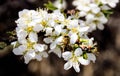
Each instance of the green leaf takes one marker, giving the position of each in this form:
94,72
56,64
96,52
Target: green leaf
50,6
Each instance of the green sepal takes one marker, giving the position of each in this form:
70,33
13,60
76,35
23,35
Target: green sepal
107,13
85,55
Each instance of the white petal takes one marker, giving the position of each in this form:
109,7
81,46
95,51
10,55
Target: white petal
23,12
91,57
84,29
100,26
58,29
67,65
44,54
59,39
83,61
38,57
91,42
112,4
29,56
48,40
57,51
76,67
19,50
90,17
33,37
73,38
39,47
78,52
22,41
16,51
38,28
22,34
53,45
67,55
48,31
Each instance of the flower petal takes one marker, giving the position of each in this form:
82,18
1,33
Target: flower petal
44,54
52,45
19,50
67,55
48,40
73,38
33,37
78,52
100,26
59,39
83,61
39,47
21,33
91,57
84,29
38,28
48,31
38,57
22,41
67,65
57,51
29,56
76,67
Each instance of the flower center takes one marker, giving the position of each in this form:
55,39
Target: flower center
30,45
74,30
30,29
44,23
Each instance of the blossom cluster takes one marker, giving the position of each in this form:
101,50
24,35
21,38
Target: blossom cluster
40,32
95,11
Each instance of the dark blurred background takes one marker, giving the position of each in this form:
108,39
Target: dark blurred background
108,59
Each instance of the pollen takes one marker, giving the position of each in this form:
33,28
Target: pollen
44,23
74,30
30,45
29,29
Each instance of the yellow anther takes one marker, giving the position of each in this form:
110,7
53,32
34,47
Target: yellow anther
29,29
74,30
44,23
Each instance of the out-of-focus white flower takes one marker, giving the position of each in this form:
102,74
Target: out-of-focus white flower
105,7
82,4
97,20
57,16
60,5
111,3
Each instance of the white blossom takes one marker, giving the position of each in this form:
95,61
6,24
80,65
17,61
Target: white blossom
31,50
73,59
111,3
60,5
